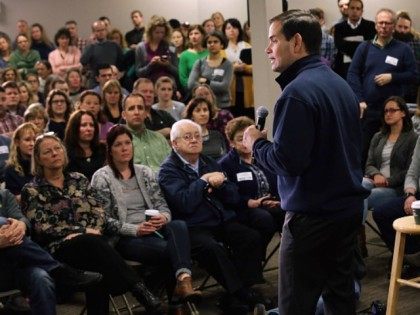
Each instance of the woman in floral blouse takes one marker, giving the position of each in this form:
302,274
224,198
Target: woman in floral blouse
68,220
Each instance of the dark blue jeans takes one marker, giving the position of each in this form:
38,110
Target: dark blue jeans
27,266
174,248
384,215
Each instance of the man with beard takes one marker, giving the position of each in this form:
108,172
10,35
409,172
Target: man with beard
405,33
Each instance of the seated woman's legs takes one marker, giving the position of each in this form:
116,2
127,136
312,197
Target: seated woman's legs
384,215
380,195
92,252
152,250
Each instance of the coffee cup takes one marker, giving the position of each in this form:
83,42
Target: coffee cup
415,206
151,213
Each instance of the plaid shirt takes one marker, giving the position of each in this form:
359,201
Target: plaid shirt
9,123
79,43
327,50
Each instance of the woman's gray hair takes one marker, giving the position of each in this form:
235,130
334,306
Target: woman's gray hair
176,128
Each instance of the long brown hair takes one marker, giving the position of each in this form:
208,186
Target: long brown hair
113,133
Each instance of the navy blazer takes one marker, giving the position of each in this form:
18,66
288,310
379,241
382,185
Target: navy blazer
186,193
232,165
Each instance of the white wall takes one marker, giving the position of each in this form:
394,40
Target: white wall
53,13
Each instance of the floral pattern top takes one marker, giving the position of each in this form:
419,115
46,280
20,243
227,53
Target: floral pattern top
55,213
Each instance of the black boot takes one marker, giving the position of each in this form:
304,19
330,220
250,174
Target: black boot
66,276
146,298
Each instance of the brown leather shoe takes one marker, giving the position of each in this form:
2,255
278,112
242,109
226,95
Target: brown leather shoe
185,291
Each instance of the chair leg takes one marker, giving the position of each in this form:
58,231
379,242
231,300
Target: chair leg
374,229
397,261
114,305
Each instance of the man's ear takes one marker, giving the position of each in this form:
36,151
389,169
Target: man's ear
123,114
298,44
174,144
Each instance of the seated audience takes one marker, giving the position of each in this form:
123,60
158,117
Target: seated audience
43,70
5,50
164,88
389,154
156,120
198,193
37,115
13,98
220,116
68,220
33,83
86,153
215,70
150,147
4,152
208,26
8,122
218,20
18,169
74,80
26,96
38,274
259,205
10,74
112,97
91,101
385,214
129,190
40,41
199,110
24,58
65,56
59,109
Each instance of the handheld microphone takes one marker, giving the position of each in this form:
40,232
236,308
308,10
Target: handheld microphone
262,113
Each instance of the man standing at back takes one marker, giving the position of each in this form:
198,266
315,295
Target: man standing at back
316,155
380,69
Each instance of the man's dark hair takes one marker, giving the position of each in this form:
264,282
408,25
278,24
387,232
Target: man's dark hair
2,89
102,66
71,22
303,23
10,85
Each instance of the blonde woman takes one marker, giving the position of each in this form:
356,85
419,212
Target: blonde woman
18,166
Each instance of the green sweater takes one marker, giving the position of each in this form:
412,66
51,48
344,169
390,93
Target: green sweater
25,62
186,62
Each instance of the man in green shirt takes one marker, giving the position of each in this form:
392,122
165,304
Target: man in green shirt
150,147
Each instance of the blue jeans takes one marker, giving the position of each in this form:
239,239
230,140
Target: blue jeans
153,250
29,264
378,196
384,215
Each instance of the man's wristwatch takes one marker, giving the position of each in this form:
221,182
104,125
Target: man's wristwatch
408,194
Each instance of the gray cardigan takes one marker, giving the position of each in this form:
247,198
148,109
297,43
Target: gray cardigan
400,157
413,173
110,189
218,78
9,208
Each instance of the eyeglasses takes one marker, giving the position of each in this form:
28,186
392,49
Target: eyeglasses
58,101
391,110
190,137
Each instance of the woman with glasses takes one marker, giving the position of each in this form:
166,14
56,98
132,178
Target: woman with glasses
389,154
18,166
199,110
24,58
129,190
86,153
214,70
59,109
68,220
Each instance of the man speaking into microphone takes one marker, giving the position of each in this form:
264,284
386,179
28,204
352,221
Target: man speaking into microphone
316,155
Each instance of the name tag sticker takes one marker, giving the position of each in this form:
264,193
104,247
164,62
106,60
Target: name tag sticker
218,72
4,149
391,60
244,176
